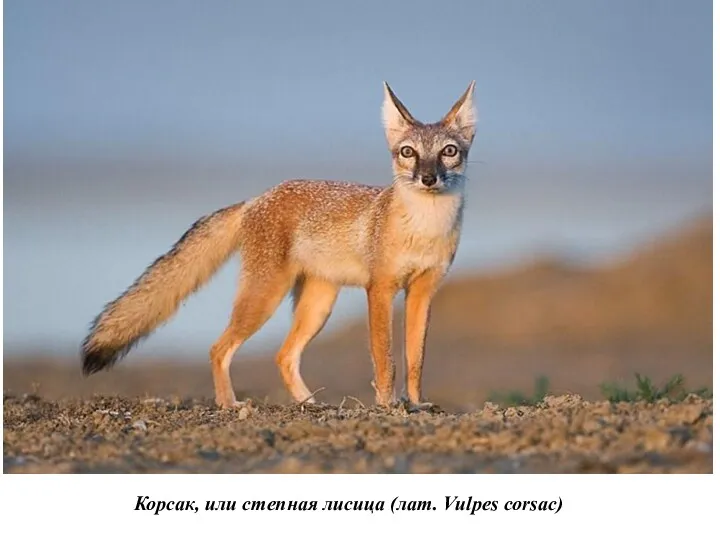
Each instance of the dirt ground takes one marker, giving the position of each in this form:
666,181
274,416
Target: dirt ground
560,435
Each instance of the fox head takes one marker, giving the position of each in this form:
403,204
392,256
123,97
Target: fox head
429,157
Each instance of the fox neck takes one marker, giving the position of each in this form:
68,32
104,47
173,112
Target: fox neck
431,215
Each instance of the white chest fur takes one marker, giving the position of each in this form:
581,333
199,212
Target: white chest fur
427,227
430,216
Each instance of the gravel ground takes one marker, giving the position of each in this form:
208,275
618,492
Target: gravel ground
563,434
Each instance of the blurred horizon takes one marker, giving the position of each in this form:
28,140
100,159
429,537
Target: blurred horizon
124,123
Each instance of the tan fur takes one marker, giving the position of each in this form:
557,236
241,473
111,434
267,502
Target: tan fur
312,238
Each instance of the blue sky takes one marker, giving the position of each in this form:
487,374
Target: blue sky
626,79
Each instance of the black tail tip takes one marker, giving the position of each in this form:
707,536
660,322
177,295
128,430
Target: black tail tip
94,361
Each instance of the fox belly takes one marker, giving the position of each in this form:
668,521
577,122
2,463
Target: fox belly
331,259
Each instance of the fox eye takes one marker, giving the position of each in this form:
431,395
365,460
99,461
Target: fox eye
450,150
407,152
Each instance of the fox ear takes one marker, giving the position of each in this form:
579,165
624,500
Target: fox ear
463,114
396,118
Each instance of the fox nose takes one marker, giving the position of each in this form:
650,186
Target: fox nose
428,180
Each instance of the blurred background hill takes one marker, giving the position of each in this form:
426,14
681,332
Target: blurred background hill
661,294
586,253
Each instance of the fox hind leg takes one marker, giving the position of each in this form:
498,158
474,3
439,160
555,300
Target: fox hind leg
256,301
313,300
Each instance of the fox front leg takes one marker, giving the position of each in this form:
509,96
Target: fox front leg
418,296
380,317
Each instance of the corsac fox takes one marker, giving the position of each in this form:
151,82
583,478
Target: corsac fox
310,238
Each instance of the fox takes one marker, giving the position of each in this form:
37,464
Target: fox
309,239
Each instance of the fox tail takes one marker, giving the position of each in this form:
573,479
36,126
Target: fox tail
156,295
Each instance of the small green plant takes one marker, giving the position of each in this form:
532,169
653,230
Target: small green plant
615,393
703,392
515,398
645,390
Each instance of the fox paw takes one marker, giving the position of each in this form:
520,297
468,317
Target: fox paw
235,404
420,406
424,406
